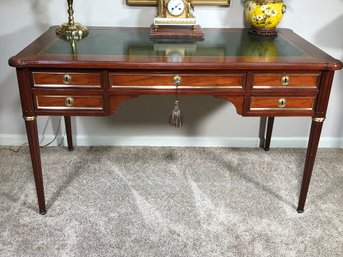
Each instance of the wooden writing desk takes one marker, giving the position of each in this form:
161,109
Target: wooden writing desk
266,77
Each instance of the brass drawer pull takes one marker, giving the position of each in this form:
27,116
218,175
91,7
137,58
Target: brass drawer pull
284,80
67,79
282,102
69,101
177,80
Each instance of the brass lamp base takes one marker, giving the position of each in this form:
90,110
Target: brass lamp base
71,30
68,31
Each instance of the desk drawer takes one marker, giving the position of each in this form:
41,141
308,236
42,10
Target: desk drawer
286,80
66,79
167,81
67,102
281,103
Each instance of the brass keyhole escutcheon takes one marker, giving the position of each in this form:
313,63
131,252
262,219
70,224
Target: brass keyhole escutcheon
285,80
177,80
282,102
69,101
67,79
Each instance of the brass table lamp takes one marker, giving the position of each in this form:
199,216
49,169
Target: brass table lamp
71,30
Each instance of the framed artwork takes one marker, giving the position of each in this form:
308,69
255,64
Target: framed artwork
196,2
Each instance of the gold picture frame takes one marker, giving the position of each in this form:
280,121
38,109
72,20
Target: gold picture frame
196,2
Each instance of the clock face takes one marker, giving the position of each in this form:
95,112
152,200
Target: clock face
176,7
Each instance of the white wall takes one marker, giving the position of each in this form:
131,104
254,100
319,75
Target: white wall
209,121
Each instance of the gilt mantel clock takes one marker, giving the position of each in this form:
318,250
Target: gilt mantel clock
175,19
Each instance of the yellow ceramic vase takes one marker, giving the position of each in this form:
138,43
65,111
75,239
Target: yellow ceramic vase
264,15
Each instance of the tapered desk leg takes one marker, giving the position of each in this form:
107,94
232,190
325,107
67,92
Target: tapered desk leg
32,136
312,147
270,126
266,132
67,121
263,121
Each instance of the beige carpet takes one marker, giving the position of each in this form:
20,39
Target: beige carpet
165,201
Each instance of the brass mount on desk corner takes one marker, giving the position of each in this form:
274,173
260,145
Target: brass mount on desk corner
71,30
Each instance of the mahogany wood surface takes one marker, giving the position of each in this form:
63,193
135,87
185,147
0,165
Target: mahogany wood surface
192,80
312,147
290,102
113,65
270,125
67,121
48,79
296,80
32,136
58,101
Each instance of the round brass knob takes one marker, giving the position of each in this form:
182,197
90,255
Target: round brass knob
67,79
69,101
282,102
285,80
177,80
